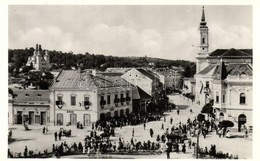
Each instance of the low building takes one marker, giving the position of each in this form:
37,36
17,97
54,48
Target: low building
189,85
78,96
29,105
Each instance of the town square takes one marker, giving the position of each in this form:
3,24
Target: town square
133,85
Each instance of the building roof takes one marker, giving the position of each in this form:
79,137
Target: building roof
225,53
118,70
110,74
222,70
148,74
73,79
239,69
31,95
143,94
209,70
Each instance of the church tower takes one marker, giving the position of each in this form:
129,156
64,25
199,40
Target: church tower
204,44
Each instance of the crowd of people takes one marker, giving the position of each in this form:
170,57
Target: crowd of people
213,154
177,138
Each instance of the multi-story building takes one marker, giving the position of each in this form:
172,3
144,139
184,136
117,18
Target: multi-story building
224,77
38,61
78,96
30,106
169,78
144,79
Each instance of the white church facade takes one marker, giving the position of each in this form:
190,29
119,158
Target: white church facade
225,78
38,61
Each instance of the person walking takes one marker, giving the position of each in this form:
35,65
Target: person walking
151,132
162,127
144,125
60,135
169,149
178,112
55,135
133,132
25,153
43,130
184,148
171,120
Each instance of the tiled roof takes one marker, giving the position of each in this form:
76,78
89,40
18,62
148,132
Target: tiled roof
110,74
72,79
31,95
143,94
209,70
239,69
222,53
230,69
148,74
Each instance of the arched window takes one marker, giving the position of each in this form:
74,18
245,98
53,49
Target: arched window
221,117
242,98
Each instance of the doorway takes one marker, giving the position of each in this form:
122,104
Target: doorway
86,119
102,116
43,118
59,119
73,119
241,121
31,117
19,117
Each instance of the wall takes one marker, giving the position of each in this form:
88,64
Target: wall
134,77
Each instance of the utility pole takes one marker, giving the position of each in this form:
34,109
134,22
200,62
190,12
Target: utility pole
198,138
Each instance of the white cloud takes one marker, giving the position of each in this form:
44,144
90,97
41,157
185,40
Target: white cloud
125,41
230,37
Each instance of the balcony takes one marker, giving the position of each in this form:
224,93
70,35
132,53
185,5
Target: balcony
116,101
102,103
122,100
206,90
128,99
59,104
86,103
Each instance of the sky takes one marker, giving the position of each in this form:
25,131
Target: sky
163,31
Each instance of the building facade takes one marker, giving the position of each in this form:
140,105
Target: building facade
78,96
169,78
144,79
30,106
224,77
38,61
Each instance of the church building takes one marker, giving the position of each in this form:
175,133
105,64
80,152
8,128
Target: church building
224,77
38,61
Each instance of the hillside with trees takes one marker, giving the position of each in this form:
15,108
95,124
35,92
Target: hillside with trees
65,60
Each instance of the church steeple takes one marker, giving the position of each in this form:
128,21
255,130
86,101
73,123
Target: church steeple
203,22
203,45
204,36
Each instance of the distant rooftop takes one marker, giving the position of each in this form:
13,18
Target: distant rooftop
227,53
31,95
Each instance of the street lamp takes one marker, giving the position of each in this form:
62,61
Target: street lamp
197,147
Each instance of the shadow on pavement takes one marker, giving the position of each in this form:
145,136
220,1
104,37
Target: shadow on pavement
10,141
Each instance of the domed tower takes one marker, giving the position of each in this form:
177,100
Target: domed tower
47,57
38,59
47,60
204,44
